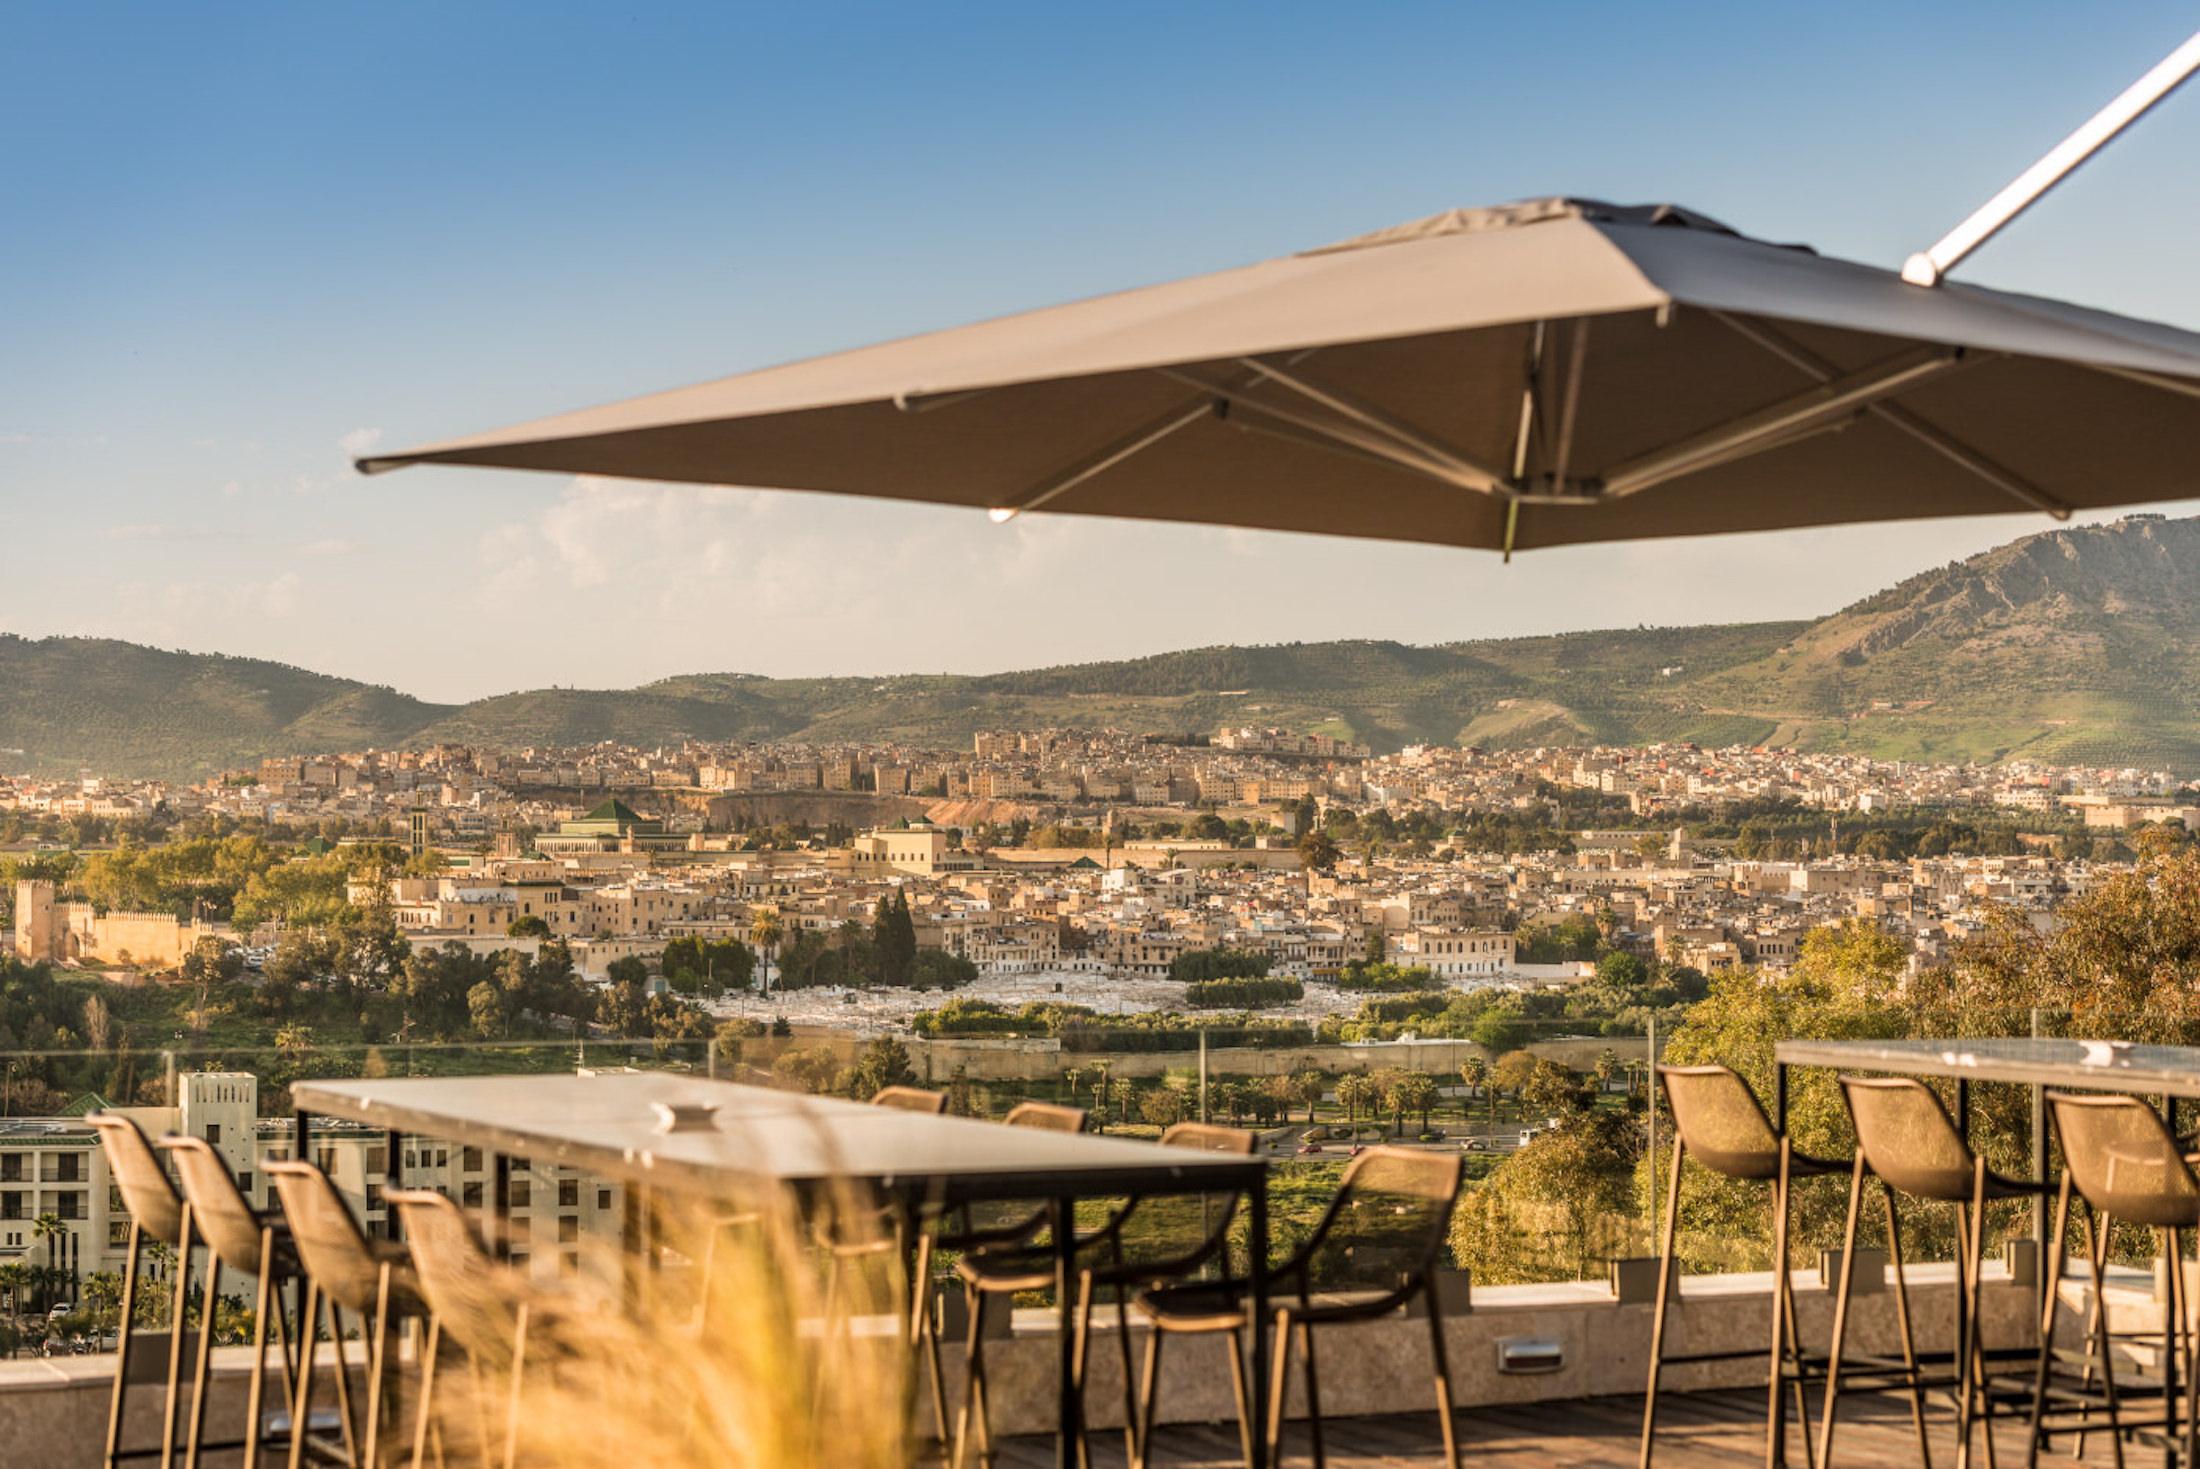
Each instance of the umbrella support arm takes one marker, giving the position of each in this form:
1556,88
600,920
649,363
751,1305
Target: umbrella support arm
1811,365
1806,412
1928,267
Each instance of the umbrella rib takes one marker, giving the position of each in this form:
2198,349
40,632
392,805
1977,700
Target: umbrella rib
1340,436
1755,432
2150,379
1114,452
1490,481
1945,444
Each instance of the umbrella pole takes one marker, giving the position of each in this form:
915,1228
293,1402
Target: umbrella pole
2058,163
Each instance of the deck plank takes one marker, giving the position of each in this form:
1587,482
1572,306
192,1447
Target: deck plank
1695,1431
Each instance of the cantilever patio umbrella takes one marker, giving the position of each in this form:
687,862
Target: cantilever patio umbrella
1538,374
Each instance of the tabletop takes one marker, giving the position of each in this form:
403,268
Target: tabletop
2113,1066
608,1123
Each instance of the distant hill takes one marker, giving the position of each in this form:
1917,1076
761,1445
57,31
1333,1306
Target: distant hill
2075,646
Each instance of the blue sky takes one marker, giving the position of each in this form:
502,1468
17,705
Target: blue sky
240,240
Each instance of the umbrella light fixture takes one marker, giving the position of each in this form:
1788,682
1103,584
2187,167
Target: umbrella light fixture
1544,373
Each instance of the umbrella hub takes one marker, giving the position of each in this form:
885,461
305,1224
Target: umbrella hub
1526,212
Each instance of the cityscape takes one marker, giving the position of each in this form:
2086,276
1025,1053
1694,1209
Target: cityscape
1122,737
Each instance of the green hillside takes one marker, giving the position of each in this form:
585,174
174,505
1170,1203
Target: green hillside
2073,646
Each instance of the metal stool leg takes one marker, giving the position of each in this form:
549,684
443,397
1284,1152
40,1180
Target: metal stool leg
1279,1382
256,1391
1313,1396
431,1347
1440,1360
181,1298
1149,1389
196,1433
1840,1314
1913,1374
1657,1314
1776,1409
301,1397
2052,1274
124,1330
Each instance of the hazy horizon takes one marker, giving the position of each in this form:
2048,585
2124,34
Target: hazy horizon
259,241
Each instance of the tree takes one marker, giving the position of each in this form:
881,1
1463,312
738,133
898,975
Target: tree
1308,1086
1607,1067
765,931
1571,1186
1356,1094
487,1012
623,1007
49,1230
15,1281
1474,1072
882,1063
1499,1031
1414,1091
527,926
1161,1106
1318,849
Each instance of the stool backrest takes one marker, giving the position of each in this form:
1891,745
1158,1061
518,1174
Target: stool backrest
1720,1121
1385,1227
911,1099
1908,1139
331,1247
219,1211
2125,1161
1046,1116
146,1192
464,1286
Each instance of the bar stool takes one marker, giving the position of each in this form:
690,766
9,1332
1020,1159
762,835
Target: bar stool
1722,1126
973,1228
1107,1259
2124,1164
250,1243
485,1307
157,1212
1376,1248
344,1271
858,1230
1905,1138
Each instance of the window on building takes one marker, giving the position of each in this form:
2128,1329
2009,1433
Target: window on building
517,1193
603,1199
11,1167
471,1196
69,1205
470,1160
214,1133
244,1182
69,1168
569,1229
569,1193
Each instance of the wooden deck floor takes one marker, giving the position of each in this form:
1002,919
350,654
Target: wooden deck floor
1695,1431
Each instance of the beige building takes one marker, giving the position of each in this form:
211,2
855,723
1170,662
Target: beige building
919,849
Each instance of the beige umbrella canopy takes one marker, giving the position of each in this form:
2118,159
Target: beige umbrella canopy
1541,374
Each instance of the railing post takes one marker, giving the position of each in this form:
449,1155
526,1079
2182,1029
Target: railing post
168,1077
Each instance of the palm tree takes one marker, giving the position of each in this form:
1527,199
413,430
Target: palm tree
1607,1067
15,1279
765,932
1473,1072
49,1228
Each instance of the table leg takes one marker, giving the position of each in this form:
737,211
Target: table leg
1062,1223
500,1207
1256,1272
392,1178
